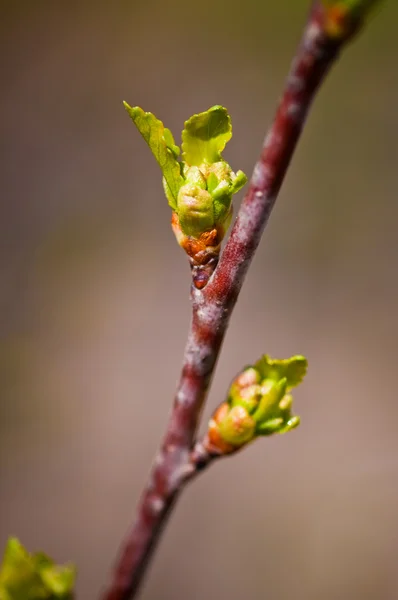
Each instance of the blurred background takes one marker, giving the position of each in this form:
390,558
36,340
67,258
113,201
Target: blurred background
94,298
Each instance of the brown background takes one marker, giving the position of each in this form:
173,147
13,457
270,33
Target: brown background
94,298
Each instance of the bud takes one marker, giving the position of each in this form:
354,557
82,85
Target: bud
258,404
195,210
343,18
199,189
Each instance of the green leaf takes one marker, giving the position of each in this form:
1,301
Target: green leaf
291,424
269,403
205,135
25,576
270,426
238,182
293,369
161,142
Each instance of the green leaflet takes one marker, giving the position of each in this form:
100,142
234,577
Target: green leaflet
238,183
268,407
205,135
25,576
293,369
161,142
277,426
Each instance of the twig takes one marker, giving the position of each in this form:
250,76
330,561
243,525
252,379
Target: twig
176,463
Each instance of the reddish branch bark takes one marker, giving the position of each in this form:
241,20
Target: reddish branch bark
176,463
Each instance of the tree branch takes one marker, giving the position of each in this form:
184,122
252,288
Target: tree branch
176,463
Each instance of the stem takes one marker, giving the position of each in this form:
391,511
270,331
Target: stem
212,306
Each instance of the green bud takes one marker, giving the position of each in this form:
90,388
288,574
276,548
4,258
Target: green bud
248,397
245,390
222,183
194,176
195,209
238,427
258,404
221,170
202,168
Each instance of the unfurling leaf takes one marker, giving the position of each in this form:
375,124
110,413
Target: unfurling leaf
25,576
205,135
161,142
293,369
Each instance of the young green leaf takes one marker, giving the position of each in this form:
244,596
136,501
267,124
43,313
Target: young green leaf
293,369
238,182
161,142
268,407
25,576
205,135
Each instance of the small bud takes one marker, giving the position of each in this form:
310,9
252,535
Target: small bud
194,176
237,427
199,189
195,210
258,404
343,18
214,442
245,390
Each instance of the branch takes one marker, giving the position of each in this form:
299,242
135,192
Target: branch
326,31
